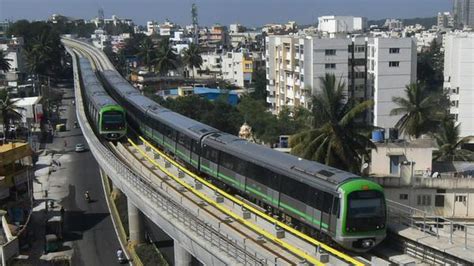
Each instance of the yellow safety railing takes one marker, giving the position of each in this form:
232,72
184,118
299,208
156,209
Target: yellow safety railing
289,229
292,249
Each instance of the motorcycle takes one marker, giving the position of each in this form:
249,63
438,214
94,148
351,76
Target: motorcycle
87,196
121,257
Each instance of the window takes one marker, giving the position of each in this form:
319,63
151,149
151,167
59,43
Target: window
462,199
360,48
394,165
394,50
330,66
330,52
423,200
210,154
302,78
441,191
394,64
403,196
439,201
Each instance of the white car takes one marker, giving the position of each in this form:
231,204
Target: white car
80,147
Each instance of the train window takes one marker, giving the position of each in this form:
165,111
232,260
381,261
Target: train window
181,139
195,147
327,202
210,154
315,198
263,176
169,132
227,161
294,189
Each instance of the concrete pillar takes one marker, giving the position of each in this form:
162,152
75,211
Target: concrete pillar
181,256
135,224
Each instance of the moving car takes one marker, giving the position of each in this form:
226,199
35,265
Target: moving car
80,147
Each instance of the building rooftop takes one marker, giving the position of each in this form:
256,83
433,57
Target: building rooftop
400,143
27,101
11,152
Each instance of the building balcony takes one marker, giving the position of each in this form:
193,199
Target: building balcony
270,88
270,99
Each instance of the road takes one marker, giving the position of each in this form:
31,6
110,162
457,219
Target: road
87,225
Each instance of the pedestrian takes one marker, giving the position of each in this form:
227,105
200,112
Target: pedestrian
62,211
65,143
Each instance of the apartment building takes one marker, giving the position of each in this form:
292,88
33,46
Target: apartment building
463,11
13,49
340,24
459,78
445,20
295,64
236,67
391,65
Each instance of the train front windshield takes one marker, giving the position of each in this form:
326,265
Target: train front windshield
113,120
366,211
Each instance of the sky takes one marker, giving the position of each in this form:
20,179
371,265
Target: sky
246,12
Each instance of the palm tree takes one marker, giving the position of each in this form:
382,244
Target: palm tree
8,110
450,144
4,62
147,52
421,111
338,137
166,58
192,58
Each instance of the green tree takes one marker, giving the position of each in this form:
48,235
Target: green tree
223,116
264,124
421,110
147,53
430,66
192,58
337,137
4,62
260,85
166,58
8,110
450,144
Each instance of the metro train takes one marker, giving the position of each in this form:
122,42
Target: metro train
323,200
106,114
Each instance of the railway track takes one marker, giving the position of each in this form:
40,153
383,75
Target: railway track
278,251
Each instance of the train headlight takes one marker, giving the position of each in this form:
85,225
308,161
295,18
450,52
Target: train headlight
367,243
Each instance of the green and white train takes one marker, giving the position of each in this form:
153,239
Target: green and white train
323,200
106,114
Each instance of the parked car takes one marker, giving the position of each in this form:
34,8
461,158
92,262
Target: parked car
80,147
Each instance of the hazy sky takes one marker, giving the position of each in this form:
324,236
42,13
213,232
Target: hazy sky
247,12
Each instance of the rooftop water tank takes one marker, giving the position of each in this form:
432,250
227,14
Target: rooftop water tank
378,135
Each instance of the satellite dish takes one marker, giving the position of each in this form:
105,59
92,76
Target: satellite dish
365,166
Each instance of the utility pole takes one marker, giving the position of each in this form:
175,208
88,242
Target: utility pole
194,15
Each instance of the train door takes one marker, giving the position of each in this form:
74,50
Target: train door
326,210
334,215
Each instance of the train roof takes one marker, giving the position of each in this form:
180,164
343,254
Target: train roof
309,172
93,89
182,123
119,83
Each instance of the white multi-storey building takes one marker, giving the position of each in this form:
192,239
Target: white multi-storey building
391,67
14,52
234,67
341,24
459,78
295,64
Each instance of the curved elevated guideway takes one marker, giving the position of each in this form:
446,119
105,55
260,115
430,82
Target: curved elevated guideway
212,225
